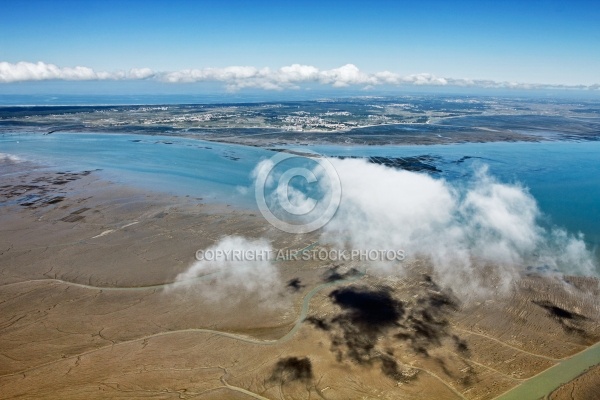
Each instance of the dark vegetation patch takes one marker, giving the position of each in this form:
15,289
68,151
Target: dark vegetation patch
292,369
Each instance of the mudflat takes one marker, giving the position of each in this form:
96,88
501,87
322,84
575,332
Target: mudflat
88,309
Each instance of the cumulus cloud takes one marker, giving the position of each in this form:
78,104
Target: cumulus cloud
478,236
298,73
459,229
240,77
232,267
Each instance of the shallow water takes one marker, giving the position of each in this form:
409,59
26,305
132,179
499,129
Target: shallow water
180,166
564,177
547,381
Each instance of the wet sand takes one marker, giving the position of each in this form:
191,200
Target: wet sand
586,386
86,309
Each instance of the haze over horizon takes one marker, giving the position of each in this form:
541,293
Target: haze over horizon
231,46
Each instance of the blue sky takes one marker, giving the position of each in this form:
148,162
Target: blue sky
550,42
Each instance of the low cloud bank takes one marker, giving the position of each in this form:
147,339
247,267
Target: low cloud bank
40,71
240,77
459,228
477,235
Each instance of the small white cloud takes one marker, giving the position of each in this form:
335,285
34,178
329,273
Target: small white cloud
298,73
234,266
140,73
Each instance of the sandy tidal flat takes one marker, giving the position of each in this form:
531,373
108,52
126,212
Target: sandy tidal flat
87,310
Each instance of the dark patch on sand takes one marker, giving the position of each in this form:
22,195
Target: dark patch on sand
292,369
369,314
334,274
295,284
72,218
319,323
391,369
570,321
426,323
40,191
370,309
461,346
55,200
366,314
558,312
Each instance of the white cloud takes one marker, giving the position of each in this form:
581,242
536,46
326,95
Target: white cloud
346,75
140,73
459,228
298,73
239,77
478,236
41,71
234,266
25,71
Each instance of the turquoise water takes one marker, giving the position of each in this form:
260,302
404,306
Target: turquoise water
180,166
539,386
564,177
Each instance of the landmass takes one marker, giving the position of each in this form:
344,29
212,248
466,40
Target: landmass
364,120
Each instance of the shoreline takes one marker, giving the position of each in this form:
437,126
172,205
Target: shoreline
310,138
